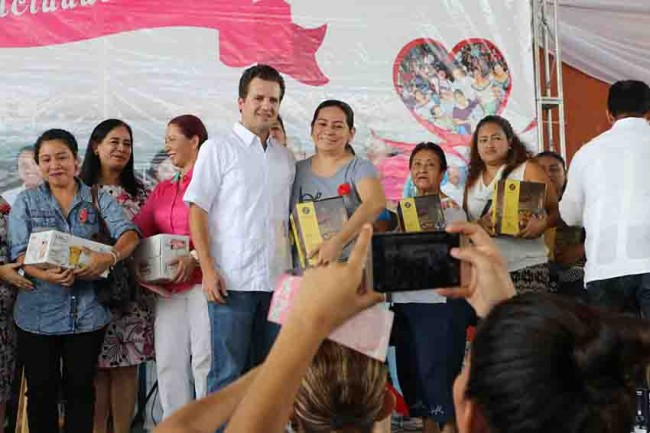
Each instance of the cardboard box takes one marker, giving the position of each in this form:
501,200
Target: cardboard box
514,203
52,248
154,254
314,222
421,214
368,332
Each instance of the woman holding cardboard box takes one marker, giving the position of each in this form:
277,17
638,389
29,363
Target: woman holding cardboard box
335,171
498,154
60,321
108,163
182,326
429,330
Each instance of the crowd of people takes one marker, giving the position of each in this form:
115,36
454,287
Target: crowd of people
453,94
221,365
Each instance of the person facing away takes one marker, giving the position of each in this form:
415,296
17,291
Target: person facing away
239,207
607,193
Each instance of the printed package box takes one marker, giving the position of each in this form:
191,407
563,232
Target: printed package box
421,214
154,255
52,248
314,222
514,203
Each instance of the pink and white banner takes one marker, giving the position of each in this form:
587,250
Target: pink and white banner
412,70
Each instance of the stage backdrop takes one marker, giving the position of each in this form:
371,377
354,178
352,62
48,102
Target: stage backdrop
412,70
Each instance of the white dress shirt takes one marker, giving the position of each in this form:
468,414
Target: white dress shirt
608,193
245,191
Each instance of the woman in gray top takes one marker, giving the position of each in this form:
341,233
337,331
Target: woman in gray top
334,170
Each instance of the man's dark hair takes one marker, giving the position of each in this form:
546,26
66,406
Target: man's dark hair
628,98
263,72
553,155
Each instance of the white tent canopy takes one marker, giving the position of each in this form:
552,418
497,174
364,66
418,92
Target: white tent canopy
606,39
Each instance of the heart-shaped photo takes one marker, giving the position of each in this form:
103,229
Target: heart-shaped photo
449,92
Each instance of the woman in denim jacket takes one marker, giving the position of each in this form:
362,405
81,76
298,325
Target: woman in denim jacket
60,323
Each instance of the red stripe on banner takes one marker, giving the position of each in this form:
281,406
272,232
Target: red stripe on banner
249,32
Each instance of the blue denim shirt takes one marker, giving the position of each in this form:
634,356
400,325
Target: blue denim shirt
51,308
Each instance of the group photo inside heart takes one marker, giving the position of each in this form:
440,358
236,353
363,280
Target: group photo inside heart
450,91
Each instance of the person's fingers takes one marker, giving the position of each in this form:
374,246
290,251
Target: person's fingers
472,255
370,298
313,253
14,265
209,295
21,283
474,232
359,254
218,297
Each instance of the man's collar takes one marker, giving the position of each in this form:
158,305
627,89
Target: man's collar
249,138
630,121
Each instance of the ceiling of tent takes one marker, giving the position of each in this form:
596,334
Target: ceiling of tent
607,39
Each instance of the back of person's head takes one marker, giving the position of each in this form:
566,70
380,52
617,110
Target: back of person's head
343,390
541,363
263,72
629,98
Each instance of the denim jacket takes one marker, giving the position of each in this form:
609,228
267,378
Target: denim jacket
51,308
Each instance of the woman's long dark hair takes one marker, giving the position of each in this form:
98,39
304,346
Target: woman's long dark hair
517,153
91,167
544,363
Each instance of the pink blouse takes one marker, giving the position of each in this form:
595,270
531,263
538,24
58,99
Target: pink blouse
165,212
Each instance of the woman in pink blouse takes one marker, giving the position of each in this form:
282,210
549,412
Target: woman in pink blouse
182,327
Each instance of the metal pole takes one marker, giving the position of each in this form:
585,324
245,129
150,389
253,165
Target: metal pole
558,72
548,74
536,59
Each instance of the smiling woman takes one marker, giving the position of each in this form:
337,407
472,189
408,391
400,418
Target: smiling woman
60,321
129,338
333,166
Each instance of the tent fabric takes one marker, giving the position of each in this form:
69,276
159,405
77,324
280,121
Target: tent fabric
606,39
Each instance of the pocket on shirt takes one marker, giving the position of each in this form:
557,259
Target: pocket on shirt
43,220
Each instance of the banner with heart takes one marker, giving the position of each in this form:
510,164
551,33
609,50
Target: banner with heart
447,92
412,71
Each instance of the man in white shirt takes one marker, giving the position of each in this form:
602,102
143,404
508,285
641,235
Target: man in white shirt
608,193
239,207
